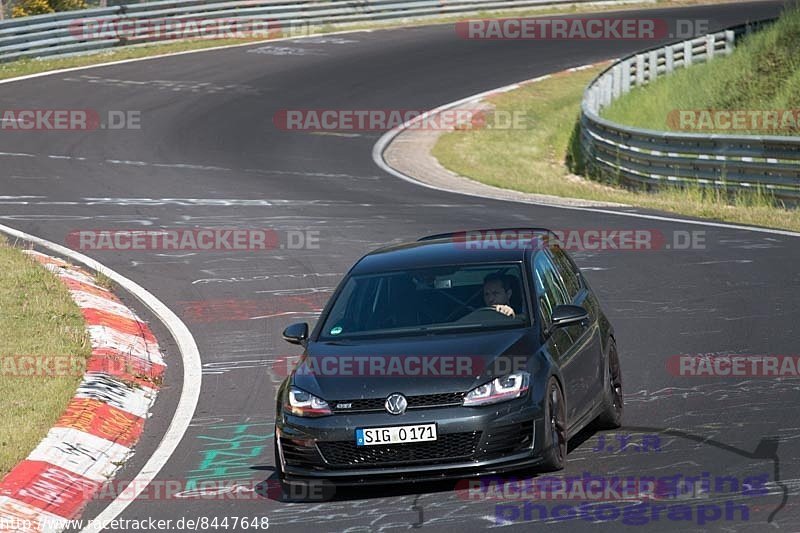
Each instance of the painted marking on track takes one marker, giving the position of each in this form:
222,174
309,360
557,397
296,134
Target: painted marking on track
335,134
222,367
229,453
68,157
286,51
309,314
265,277
326,40
168,85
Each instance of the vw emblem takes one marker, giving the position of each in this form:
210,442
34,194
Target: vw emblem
396,404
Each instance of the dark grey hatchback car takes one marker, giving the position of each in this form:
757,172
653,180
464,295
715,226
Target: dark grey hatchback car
448,357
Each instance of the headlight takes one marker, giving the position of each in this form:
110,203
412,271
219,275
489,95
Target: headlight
499,390
302,403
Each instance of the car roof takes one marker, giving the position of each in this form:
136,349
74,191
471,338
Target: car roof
500,245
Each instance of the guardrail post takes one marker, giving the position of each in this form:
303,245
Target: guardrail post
626,76
730,40
606,99
687,53
616,85
653,66
669,59
639,69
711,41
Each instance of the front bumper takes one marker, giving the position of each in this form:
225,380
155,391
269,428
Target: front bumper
471,441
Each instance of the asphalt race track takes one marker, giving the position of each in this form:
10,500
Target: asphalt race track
208,154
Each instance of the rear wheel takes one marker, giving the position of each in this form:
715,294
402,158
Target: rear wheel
611,417
555,428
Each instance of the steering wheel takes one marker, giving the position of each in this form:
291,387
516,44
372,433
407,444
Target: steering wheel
487,309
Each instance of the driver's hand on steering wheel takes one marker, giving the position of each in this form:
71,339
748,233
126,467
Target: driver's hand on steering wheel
504,310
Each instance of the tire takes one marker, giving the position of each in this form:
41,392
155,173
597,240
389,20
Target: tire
613,402
555,429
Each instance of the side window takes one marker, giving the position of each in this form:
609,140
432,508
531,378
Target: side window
568,272
549,290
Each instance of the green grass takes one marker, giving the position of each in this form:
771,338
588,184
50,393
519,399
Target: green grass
533,159
102,280
763,73
38,318
25,67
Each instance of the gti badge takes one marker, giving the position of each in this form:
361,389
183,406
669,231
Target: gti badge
396,404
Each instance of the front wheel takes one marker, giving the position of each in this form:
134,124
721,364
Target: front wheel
555,430
611,417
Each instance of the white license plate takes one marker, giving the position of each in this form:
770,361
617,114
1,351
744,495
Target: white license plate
395,435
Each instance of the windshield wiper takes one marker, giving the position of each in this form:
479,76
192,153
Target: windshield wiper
452,326
421,330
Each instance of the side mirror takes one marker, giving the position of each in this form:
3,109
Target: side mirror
566,315
296,333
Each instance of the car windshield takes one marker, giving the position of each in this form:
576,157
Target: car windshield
427,301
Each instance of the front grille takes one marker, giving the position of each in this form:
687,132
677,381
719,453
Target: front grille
447,399
508,439
296,454
451,447
436,400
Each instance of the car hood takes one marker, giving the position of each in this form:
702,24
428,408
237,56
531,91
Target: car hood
411,366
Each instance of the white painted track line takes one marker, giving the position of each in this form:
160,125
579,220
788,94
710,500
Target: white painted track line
383,143
192,374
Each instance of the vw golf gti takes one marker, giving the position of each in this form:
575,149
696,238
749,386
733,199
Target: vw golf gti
445,358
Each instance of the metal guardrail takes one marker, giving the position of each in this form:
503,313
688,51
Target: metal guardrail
651,158
60,33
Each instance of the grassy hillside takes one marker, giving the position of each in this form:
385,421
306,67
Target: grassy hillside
763,73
